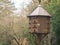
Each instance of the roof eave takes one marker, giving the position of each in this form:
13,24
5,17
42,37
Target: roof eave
39,15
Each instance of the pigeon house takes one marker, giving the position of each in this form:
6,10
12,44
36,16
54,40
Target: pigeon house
39,21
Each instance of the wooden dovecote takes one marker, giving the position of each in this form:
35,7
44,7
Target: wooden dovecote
39,21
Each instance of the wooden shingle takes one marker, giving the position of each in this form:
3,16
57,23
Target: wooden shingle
39,11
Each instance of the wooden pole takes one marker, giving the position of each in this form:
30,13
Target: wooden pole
38,39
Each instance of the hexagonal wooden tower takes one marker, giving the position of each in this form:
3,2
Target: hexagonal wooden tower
39,21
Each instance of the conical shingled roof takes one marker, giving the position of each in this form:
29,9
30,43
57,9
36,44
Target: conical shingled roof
39,11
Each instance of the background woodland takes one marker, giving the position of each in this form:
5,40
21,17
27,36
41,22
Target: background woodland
14,29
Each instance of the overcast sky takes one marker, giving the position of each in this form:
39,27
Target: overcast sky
20,4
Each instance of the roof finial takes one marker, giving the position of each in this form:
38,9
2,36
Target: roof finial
39,1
